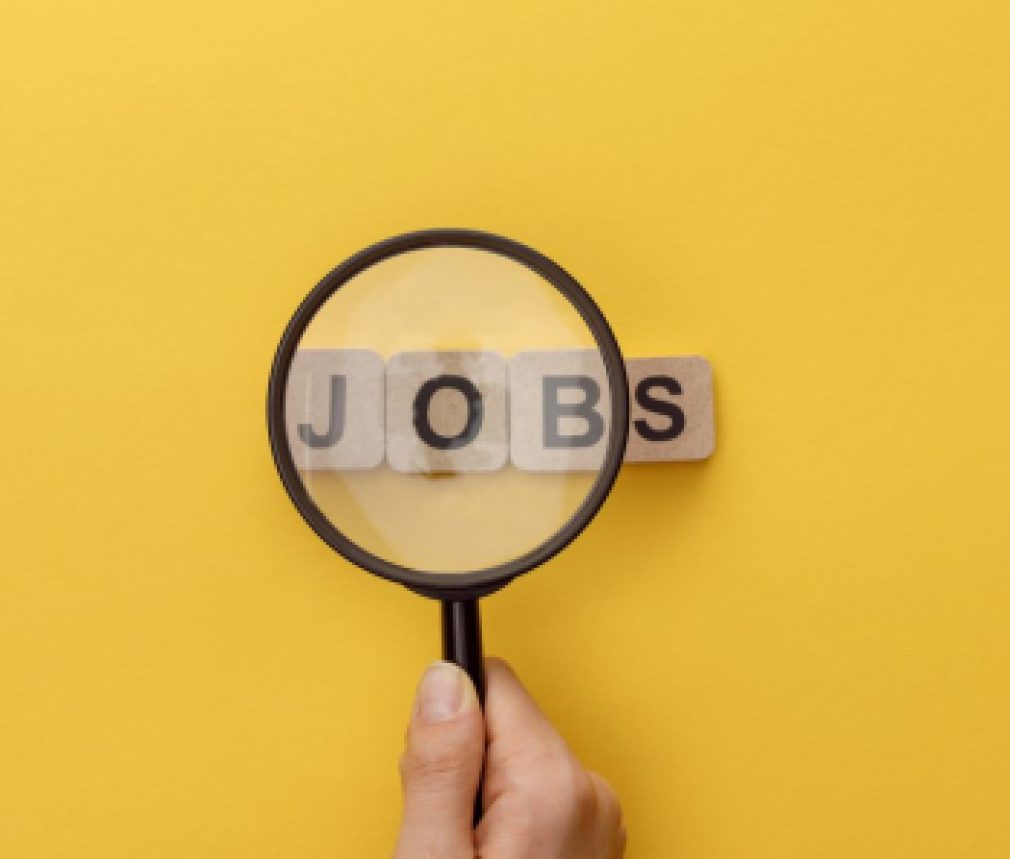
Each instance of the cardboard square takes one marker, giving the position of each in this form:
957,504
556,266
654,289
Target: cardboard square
447,411
560,410
334,409
672,413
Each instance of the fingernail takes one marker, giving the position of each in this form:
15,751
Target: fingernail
440,695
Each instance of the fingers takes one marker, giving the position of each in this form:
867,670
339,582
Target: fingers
539,800
441,766
609,817
514,721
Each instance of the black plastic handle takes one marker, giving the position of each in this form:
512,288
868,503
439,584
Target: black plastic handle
461,645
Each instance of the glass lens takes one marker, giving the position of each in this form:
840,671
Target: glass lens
448,409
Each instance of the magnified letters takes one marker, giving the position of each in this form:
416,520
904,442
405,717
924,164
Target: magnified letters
474,411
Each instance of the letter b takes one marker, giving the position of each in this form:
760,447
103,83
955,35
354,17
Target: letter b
560,410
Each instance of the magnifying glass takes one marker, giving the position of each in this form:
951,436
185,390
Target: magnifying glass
448,409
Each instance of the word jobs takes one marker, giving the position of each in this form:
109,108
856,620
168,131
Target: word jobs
457,411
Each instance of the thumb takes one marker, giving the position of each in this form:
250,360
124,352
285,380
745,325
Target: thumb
440,767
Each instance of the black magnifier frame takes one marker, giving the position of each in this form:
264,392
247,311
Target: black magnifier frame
456,586
458,592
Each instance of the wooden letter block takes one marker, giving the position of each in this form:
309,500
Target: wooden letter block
334,409
560,410
671,409
447,412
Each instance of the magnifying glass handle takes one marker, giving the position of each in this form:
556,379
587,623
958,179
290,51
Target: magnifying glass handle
461,645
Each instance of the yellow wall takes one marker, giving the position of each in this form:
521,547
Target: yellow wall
797,649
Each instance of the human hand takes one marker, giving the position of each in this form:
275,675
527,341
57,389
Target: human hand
539,801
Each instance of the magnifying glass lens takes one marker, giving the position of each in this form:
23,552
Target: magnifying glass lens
447,410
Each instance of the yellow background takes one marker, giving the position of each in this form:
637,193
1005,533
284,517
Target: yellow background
797,649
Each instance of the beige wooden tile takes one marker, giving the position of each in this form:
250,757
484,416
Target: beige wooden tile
560,410
671,409
447,411
334,409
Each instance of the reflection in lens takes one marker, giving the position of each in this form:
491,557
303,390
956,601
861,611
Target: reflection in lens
448,409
